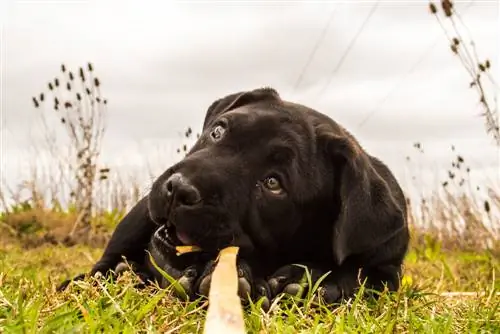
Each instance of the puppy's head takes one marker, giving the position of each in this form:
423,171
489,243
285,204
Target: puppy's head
270,175
244,178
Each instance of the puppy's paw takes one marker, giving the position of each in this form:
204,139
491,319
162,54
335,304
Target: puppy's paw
63,285
188,280
110,272
292,280
104,271
122,267
330,293
244,280
289,279
262,294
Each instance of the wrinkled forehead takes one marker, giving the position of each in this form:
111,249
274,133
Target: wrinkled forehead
252,113
265,130
268,122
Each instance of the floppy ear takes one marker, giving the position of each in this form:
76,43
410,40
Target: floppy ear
236,100
371,212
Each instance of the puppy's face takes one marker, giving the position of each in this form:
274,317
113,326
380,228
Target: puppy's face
243,182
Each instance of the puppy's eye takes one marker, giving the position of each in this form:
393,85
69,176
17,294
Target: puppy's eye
217,132
273,185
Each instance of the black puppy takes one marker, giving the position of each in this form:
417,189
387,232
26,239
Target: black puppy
286,184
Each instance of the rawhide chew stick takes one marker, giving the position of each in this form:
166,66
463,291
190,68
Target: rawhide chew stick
187,249
225,313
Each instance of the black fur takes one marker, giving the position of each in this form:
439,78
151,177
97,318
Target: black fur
339,210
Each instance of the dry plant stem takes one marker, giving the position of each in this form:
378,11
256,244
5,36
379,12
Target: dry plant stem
471,63
79,105
459,294
225,313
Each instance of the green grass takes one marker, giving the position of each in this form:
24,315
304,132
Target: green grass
29,303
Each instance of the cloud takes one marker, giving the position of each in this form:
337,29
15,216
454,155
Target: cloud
161,65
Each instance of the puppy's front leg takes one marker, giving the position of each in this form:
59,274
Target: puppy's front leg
130,240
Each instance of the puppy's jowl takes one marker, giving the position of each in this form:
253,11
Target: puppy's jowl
286,184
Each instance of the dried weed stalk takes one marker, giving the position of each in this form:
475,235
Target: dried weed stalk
478,70
77,102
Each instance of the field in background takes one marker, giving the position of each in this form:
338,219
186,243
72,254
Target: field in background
458,214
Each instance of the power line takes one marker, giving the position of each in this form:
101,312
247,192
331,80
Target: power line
398,85
374,110
349,47
319,41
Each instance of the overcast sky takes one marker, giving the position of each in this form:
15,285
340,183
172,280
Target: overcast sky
162,63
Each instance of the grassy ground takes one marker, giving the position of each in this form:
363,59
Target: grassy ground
29,303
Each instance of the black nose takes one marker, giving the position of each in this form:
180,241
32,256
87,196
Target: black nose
181,190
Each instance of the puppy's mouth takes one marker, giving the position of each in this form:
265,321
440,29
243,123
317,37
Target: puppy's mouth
198,226
168,235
